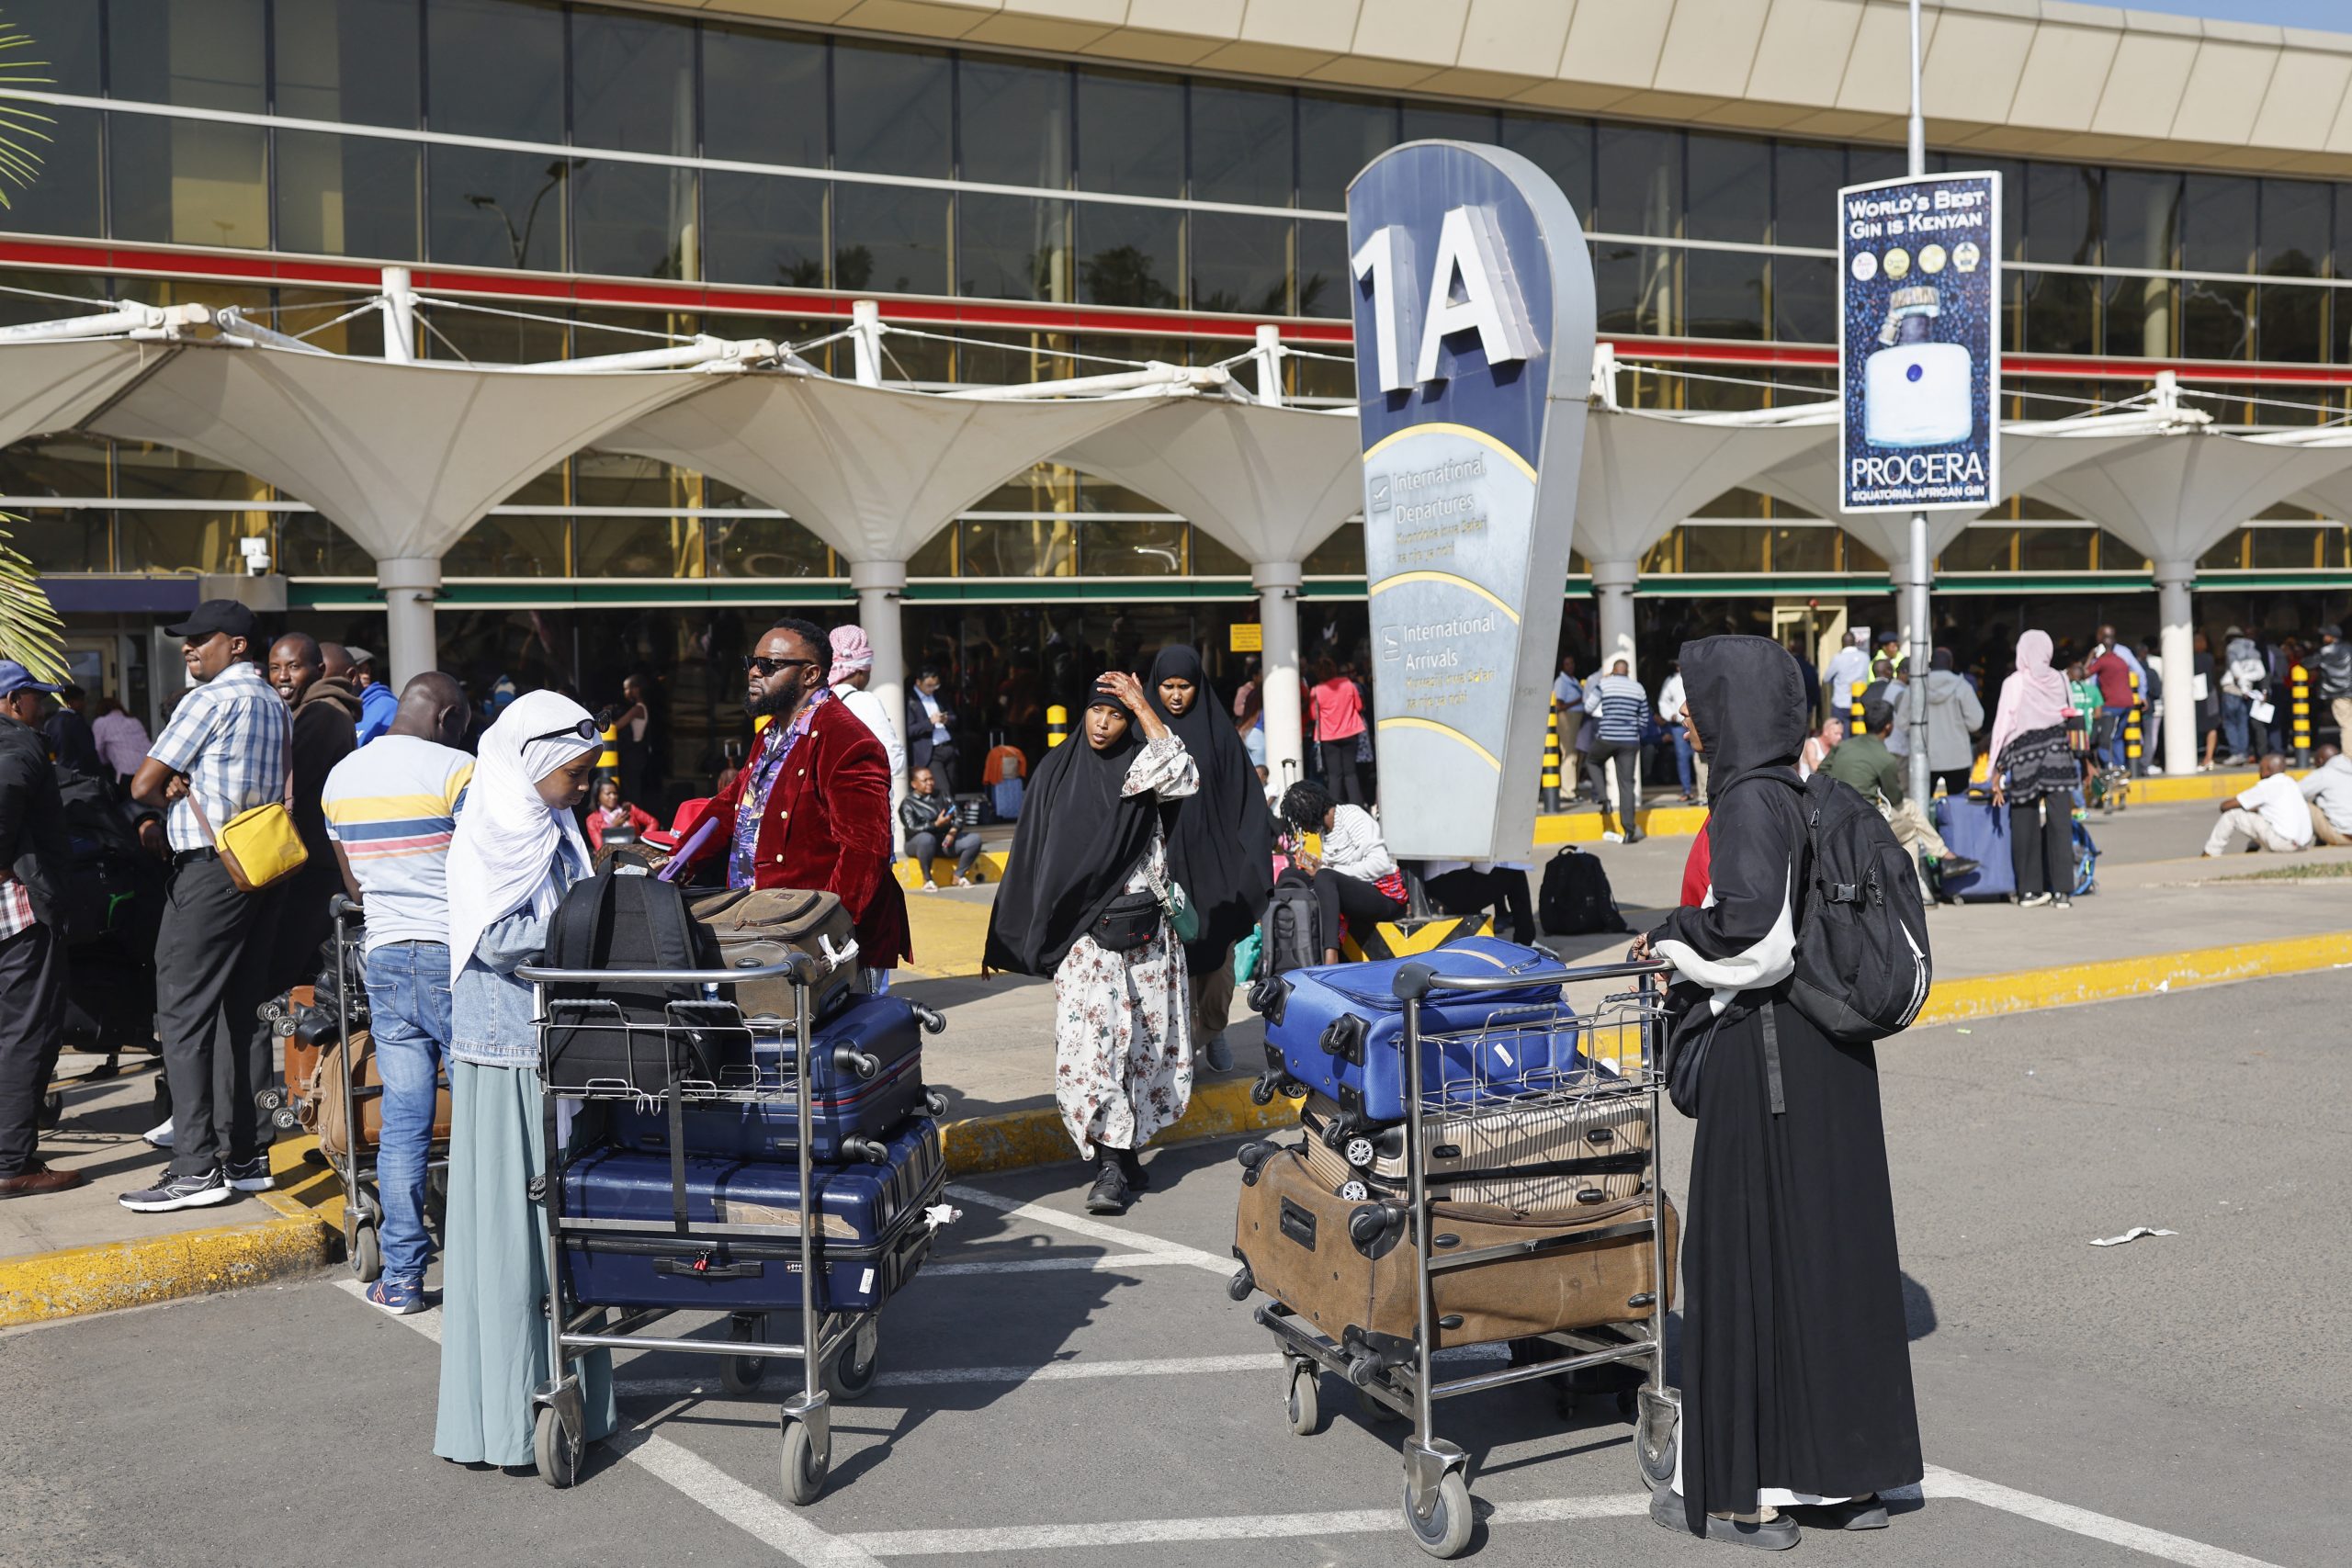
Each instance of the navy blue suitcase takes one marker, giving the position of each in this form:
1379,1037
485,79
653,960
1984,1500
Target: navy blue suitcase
1974,828
744,1253
850,1117
1339,1028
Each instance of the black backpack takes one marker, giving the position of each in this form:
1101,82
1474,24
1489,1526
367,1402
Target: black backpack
1576,899
634,1035
1292,931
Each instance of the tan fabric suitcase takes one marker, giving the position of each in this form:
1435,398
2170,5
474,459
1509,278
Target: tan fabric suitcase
757,926
1348,1267
322,1112
1537,1160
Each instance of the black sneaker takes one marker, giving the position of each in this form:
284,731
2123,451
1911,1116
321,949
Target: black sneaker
251,1175
1109,1194
198,1191
1957,865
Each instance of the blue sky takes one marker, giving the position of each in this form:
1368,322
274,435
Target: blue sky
2336,16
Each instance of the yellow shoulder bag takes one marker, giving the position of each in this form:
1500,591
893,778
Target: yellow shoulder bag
259,848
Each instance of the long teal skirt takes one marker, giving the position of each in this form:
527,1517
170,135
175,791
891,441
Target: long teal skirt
494,1275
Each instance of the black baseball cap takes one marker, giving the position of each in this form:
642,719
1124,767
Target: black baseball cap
216,615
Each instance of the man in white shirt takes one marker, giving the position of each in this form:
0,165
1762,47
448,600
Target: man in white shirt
2327,790
1848,665
1567,697
2273,814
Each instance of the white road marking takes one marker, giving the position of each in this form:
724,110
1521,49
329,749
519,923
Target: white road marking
1942,1483
1051,1371
1110,1262
1038,1213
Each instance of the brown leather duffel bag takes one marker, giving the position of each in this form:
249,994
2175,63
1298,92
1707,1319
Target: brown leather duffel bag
324,1106
757,926
1349,1266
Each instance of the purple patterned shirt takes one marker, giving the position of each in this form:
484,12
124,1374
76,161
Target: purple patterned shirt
752,803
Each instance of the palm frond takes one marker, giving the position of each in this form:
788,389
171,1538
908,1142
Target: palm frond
20,165
31,632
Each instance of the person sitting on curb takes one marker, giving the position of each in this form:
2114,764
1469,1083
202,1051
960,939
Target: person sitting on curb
1354,877
2272,814
1863,760
2327,790
929,818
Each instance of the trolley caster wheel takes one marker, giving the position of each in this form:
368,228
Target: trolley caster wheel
1241,1284
856,1364
1447,1530
739,1375
805,1466
367,1254
1372,1409
1656,1434
557,1450
1305,1404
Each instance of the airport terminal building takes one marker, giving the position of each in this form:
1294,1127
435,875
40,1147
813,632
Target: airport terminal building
1030,191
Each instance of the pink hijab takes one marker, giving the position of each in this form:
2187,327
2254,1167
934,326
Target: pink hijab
852,653
2035,697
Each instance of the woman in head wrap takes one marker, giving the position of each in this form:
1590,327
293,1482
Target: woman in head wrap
1081,903
1221,847
1796,1366
517,847
852,668
2035,772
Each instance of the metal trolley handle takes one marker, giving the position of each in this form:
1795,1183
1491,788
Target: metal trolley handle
799,968
1414,982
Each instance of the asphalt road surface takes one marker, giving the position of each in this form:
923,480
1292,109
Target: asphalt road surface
1057,1388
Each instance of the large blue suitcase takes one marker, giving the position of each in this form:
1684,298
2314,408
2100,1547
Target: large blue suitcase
1974,827
1339,1030
850,1116
742,1249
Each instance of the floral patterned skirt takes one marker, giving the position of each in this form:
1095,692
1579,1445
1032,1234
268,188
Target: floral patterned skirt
1123,1049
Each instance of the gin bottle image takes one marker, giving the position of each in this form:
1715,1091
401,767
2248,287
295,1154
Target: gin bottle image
1914,390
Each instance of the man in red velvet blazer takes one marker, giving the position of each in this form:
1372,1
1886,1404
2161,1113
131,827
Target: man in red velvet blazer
810,807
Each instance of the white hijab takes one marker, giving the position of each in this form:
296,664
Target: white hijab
502,858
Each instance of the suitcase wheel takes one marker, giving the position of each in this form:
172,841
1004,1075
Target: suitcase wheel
1355,1191
1359,1152
739,1375
1241,1284
1262,1092
933,1021
1255,1153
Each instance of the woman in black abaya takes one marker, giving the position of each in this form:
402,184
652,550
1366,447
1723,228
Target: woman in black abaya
1221,848
1796,1368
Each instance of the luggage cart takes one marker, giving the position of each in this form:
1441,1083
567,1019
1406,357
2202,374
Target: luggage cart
839,1351
1620,1039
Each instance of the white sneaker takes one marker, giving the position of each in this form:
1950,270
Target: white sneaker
161,1135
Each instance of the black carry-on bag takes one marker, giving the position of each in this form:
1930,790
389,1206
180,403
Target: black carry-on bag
640,1035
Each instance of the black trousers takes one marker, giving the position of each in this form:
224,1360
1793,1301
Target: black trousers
1471,892
1340,775
1596,769
925,848
1364,905
213,967
32,1025
2042,844
1954,779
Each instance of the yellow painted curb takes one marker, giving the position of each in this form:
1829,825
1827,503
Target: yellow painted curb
2024,990
81,1280
1584,827
1019,1139
989,867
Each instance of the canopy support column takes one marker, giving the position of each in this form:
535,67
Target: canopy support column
410,584
1612,585
2174,618
1277,583
881,586
1919,636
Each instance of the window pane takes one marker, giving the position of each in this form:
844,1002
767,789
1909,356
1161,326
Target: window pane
1341,555
1043,548
632,83
2284,549
1562,148
310,545
202,54
648,548
1012,247
2058,314
2218,224
1127,255
2289,323
890,239
2216,320
1805,299
1805,177
2143,218
494,68
1213,560
1804,550
1978,549
349,59
347,196
1866,164
2062,214
764,547
890,111
764,229
1133,550
510,546
632,220
1633,288
1433,122
496,209
2054,549
1724,294
1337,137
1241,144
2294,227
64,539
763,98
1322,268
1015,128
186,541
1241,265
1731,189
1637,175
1724,546
2139,316
63,197
192,182
67,33
1130,134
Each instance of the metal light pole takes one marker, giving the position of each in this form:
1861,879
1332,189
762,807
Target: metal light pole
1922,634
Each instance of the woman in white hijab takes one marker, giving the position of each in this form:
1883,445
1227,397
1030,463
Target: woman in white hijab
517,848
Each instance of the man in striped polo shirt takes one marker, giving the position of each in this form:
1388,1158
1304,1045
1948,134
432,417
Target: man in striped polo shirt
1618,708
391,808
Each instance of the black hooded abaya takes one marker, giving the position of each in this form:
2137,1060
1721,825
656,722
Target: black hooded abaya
1796,1366
1221,845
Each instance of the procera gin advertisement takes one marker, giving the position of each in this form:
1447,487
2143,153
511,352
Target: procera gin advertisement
1919,344
1473,333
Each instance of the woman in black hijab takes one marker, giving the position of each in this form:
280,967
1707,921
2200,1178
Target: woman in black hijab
1080,903
1221,847
1796,1366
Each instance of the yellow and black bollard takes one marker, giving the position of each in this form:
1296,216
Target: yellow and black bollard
608,761
2131,750
1056,726
2301,685
1854,711
1552,763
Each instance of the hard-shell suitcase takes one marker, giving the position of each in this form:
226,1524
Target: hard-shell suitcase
744,1255
1551,1159
1339,1030
1348,1267
755,927
1976,829
865,1077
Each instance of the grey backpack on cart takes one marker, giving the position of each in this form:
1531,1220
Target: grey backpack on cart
632,1035
754,927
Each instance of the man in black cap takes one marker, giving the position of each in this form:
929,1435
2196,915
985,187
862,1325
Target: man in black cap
32,937
225,752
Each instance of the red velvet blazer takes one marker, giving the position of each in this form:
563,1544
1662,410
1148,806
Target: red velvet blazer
827,827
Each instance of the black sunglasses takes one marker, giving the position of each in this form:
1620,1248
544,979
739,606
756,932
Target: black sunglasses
754,664
586,729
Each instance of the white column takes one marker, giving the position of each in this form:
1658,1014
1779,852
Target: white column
866,344
881,586
1612,585
2174,638
1919,636
410,585
1277,583
400,317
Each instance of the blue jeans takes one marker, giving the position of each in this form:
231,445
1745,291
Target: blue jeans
408,1002
2117,745
1682,759
2235,721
